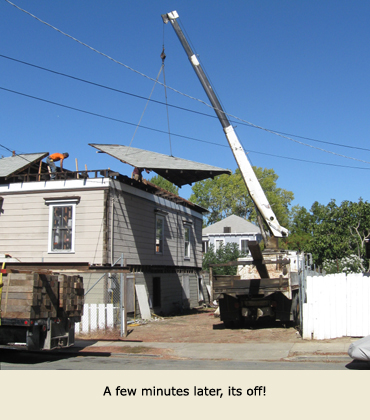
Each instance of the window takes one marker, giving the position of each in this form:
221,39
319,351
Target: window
187,241
61,225
244,246
159,234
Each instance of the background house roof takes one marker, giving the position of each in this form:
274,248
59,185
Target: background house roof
236,223
178,171
10,166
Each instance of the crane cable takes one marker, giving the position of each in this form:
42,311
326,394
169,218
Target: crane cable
163,57
147,102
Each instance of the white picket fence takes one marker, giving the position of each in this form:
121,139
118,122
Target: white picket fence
338,305
96,316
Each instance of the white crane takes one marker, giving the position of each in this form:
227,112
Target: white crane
254,187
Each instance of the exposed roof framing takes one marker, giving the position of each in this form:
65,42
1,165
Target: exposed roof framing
178,171
160,192
13,165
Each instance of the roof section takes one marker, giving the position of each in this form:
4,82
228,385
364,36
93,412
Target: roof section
236,223
10,166
178,171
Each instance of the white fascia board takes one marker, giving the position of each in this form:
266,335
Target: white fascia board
160,201
59,185
92,183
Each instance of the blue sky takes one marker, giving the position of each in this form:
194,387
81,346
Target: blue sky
295,67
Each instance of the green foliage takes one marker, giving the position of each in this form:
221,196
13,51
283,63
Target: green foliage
331,232
164,184
227,253
227,194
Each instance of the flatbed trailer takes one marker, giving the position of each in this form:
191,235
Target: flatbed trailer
38,310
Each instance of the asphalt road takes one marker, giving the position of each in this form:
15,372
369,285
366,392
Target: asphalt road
23,360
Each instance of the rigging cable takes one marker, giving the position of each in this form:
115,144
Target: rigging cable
147,102
163,57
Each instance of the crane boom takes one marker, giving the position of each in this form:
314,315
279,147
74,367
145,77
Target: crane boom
254,187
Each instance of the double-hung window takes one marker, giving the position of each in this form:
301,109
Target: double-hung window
244,246
187,241
62,215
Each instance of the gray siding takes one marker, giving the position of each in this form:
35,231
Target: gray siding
24,226
134,222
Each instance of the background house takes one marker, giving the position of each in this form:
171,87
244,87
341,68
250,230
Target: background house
231,229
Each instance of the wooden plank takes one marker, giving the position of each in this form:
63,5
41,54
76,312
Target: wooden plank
143,301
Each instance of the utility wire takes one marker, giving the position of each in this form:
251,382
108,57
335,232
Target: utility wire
181,93
174,134
109,88
16,154
171,105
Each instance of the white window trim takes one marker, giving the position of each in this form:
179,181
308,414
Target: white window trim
159,217
219,240
60,203
206,242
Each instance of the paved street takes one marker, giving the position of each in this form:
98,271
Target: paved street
22,360
196,341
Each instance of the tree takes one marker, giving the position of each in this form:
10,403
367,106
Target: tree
164,184
300,229
331,232
225,253
227,194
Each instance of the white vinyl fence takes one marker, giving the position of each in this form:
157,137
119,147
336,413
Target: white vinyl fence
337,305
97,316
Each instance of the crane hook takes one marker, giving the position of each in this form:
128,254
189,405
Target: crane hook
163,56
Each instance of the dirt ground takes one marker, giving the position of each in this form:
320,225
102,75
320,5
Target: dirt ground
198,326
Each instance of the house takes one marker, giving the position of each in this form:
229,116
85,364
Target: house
97,217
231,229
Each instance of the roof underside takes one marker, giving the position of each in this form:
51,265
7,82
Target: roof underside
10,166
178,171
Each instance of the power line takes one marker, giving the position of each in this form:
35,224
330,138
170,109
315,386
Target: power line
171,105
309,161
100,115
107,87
183,94
165,132
15,154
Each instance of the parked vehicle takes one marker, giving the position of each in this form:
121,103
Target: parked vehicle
271,288
39,311
360,349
